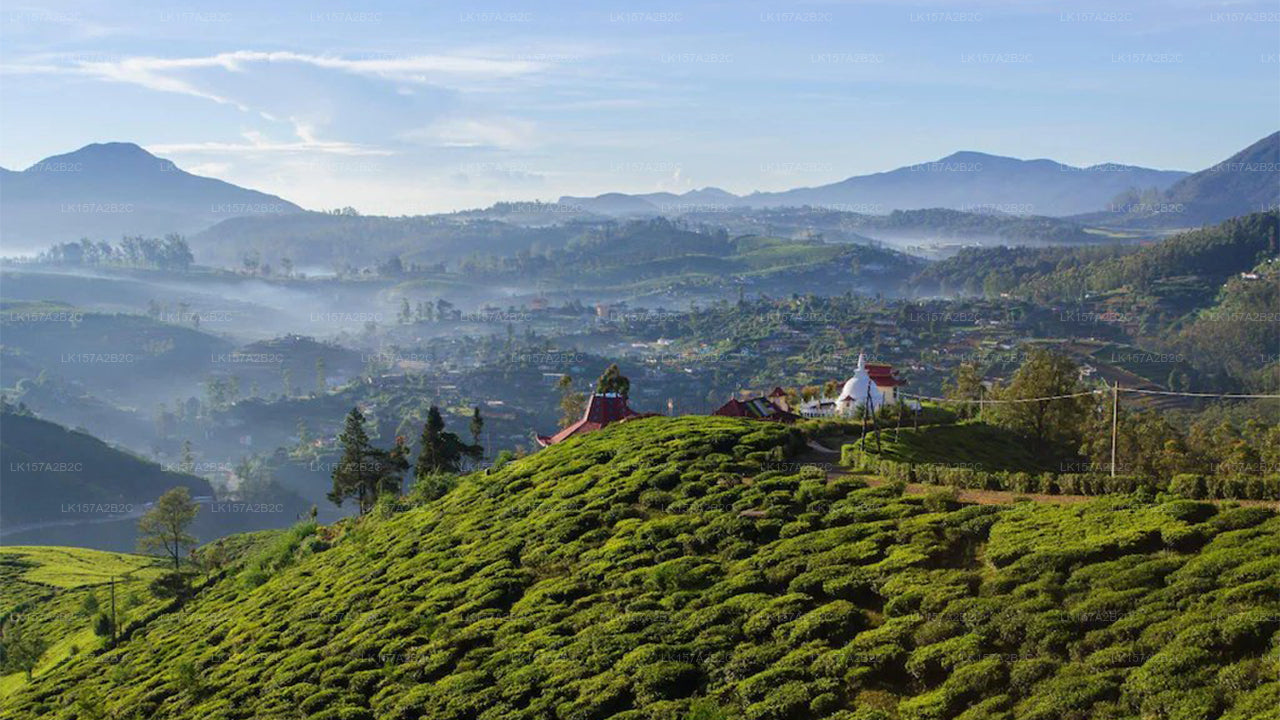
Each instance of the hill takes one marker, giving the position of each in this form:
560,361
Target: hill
323,240
1204,258
972,181
52,473
105,190
656,569
118,351
660,253
1247,182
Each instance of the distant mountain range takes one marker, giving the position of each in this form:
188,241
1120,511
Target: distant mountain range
969,181
104,191
107,190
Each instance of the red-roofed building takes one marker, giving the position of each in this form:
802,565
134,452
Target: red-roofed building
885,378
756,408
602,409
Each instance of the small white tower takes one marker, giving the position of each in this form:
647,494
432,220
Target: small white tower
858,390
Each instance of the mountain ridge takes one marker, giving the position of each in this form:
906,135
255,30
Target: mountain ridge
107,190
953,182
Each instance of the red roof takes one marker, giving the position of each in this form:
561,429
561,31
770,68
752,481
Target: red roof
757,408
777,392
883,375
601,410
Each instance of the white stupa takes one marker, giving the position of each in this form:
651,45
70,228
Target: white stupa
859,390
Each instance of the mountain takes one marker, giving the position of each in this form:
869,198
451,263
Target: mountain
1247,182
972,181
106,190
684,568
52,473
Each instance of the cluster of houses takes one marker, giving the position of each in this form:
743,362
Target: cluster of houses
871,386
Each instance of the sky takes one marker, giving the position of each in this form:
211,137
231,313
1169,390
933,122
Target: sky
416,107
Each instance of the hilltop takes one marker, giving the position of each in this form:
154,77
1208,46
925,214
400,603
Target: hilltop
105,190
686,568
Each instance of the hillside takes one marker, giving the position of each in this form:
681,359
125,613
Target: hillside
118,350
1247,182
659,252
1203,258
656,570
105,190
53,473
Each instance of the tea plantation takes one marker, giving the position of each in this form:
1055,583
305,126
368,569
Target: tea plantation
652,570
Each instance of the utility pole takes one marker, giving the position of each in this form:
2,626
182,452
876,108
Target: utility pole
1115,411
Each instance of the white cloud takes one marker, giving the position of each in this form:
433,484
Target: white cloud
506,133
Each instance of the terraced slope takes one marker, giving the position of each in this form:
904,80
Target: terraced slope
653,570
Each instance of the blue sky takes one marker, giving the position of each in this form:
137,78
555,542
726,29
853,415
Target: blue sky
404,108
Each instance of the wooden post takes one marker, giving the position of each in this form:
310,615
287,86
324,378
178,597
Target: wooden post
898,430
113,611
1115,411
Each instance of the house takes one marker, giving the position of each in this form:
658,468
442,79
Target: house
758,408
602,409
872,384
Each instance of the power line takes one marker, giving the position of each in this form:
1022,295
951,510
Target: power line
1195,394
1007,400
988,401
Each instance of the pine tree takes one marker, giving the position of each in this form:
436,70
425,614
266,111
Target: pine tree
352,476
431,445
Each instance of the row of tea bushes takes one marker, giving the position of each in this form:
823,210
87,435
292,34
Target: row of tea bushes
1198,487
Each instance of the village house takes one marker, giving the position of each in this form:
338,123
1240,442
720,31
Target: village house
772,407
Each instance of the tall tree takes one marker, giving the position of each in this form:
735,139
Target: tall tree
164,526
351,475
364,472
1044,374
572,402
613,381
441,451
965,388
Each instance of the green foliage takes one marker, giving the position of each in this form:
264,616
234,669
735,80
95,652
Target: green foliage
164,526
365,472
655,569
